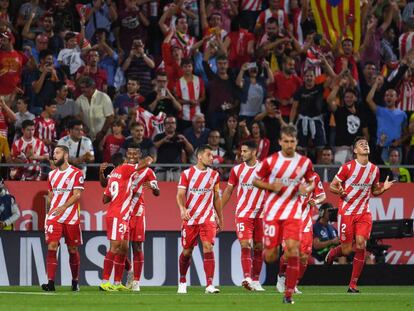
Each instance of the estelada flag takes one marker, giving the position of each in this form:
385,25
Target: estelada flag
334,17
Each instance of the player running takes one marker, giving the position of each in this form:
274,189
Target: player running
316,197
354,183
65,184
119,194
281,175
249,214
145,178
200,206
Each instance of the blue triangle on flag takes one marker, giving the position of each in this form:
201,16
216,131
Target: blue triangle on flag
334,2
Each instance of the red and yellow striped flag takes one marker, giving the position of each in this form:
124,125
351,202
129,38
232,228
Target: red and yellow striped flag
333,16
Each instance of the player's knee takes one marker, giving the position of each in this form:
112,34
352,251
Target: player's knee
245,244
137,247
270,256
207,247
304,259
72,249
346,249
257,246
53,246
187,252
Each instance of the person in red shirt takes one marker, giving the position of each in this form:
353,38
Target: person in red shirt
287,82
347,60
11,65
172,57
92,70
112,143
45,126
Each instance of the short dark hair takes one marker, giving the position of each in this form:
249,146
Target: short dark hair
50,103
117,159
45,53
118,122
133,78
201,149
327,148
251,144
134,146
289,130
136,124
88,81
74,123
272,20
221,56
357,139
27,123
369,62
64,148
351,90
69,36
186,61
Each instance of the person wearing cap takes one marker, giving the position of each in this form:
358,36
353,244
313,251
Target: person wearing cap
325,235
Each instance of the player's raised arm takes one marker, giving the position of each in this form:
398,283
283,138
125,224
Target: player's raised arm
377,190
218,207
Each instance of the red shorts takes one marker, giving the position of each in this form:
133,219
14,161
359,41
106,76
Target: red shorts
306,243
117,229
277,230
55,230
350,226
137,229
249,228
206,231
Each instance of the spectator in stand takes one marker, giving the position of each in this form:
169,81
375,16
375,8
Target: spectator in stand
46,78
406,40
221,90
65,15
287,82
26,9
145,144
397,173
253,90
70,56
113,142
161,99
22,114
7,116
172,57
273,122
327,174
258,135
346,59
249,12
55,41
92,70
214,142
41,44
239,45
139,64
11,65
171,148
66,108
125,102
80,147
190,93
197,135
392,122
28,149
275,11
4,150
132,23
96,109
211,25
349,123
45,125
387,50
100,14
226,9
4,11
232,135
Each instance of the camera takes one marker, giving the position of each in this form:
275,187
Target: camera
252,65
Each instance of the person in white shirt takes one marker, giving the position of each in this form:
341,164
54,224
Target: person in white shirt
22,114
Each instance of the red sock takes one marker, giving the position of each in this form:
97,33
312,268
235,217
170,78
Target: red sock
357,266
292,271
138,263
334,253
51,263
209,267
282,265
302,269
246,262
128,265
257,264
108,265
184,263
74,262
119,264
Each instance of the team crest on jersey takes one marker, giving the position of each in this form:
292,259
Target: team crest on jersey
67,181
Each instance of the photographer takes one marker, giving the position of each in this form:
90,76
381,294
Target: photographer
325,235
9,210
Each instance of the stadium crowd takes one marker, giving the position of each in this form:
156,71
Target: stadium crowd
170,76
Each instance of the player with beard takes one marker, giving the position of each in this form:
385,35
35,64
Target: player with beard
200,207
118,194
355,181
249,214
65,185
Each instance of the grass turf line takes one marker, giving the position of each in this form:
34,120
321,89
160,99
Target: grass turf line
231,298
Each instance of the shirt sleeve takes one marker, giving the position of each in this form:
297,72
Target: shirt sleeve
233,180
89,147
319,190
264,170
342,174
108,109
309,174
183,183
79,181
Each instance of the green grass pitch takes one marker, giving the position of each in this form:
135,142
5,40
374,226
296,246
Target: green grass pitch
330,298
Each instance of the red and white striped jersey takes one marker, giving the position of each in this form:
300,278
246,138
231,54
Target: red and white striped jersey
200,186
190,90
357,180
45,129
287,203
184,41
251,5
406,91
22,149
279,15
250,199
307,208
138,180
406,43
62,184
119,189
